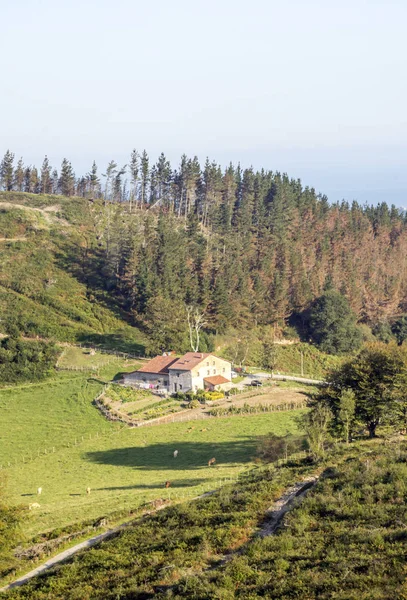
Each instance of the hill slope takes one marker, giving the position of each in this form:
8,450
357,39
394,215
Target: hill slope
345,540
50,280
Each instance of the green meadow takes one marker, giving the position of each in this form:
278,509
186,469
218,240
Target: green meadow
124,467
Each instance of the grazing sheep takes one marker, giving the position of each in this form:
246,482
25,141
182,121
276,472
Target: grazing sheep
175,453
212,461
39,491
167,484
88,490
34,505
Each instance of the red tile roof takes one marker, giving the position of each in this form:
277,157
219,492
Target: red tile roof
216,380
158,365
189,361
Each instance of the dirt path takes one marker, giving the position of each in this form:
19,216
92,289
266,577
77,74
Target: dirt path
45,212
274,515
277,511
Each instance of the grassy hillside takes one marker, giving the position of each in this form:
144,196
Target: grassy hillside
50,277
287,358
346,540
54,437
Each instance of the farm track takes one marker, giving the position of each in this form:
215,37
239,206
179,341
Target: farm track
274,515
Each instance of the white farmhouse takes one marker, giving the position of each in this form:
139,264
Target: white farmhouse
193,371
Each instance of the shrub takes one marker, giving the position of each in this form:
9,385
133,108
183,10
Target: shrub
21,360
194,404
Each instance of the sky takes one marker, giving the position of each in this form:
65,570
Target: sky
315,88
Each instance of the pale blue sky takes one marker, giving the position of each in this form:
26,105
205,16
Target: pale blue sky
317,88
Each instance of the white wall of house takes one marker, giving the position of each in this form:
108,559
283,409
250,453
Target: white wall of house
194,380
211,366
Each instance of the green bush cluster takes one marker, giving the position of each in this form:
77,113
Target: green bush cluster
22,360
201,396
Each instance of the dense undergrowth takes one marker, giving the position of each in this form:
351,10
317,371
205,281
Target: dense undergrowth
26,361
347,539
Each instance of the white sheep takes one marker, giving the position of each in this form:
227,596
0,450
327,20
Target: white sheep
88,490
175,453
39,491
33,505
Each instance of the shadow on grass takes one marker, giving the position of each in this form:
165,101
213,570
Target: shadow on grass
94,380
120,375
119,341
191,455
175,483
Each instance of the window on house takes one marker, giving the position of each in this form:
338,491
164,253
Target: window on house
214,371
209,372
197,373
180,386
223,370
207,364
213,363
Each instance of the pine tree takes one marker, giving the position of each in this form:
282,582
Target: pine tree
111,172
163,173
7,171
27,179
35,184
118,187
93,180
134,168
144,177
66,179
46,183
54,182
19,176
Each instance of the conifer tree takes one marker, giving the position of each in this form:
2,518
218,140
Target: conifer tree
35,183
144,168
46,183
19,176
27,179
66,179
7,171
111,172
134,168
54,182
93,179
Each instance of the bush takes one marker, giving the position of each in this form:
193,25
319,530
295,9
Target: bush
194,404
26,361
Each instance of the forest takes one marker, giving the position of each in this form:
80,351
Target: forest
246,249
